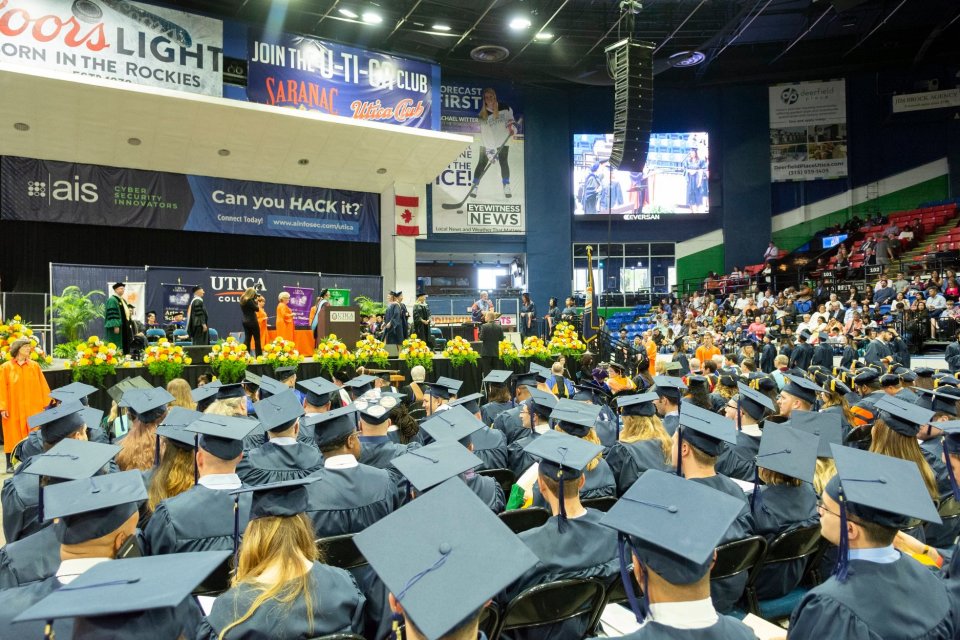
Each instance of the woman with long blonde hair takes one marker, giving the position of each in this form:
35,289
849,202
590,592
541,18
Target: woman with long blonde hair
175,472
281,589
146,408
643,442
895,434
180,390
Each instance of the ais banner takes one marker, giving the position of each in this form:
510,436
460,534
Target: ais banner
48,191
301,299
116,40
175,300
297,71
808,130
483,190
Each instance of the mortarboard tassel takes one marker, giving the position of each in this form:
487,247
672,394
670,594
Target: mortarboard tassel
196,465
156,455
739,412
562,519
949,450
638,606
236,529
843,561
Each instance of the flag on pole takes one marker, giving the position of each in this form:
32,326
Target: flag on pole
408,215
591,321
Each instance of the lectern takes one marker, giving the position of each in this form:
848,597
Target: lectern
343,321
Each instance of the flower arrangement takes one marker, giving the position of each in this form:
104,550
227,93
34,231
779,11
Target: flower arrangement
416,352
165,359
332,354
534,348
565,340
228,359
460,352
94,360
14,329
508,353
280,353
371,351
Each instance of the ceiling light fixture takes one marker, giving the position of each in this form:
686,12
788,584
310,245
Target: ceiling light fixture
135,142
21,126
371,17
303,162
347,13
543,36
224,152
381,170
441,27
519,23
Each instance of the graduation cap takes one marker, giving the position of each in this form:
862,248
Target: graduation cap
222,436
470,402
940,400
879,489
250,379
639,404
905,374
91,417
205,395
75,391
279,412
69,459
457,423
497,376
148,404
542,372
673,526
903,417
825,425
360,385
669,387
951,446
762,382
428,466
889,380
867,376
129,598
232,390
542,402
452,385
946,380
93,507
137,382
788,451
376,410
437,578
270,387
174,429
59,422
924,372
705,430
318,391
728,380
616,366
754,403
278,499
802,388
589,392
575,418
528,379
562,457
333,425
282,373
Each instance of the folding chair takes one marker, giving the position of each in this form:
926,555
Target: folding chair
791,546
553,602
218,581
490,619
739,556
504,477
600,504
340,551
522,519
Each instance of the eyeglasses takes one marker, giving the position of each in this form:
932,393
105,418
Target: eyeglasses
823,509
732,406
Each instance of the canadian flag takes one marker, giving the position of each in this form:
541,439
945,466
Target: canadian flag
408,215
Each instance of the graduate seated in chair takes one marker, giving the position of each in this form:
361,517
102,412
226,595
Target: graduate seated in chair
488,444
643,444
283,456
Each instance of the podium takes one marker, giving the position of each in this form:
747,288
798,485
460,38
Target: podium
343,321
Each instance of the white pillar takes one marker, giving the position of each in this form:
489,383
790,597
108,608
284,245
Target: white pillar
398,254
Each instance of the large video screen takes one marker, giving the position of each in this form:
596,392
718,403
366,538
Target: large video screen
674,181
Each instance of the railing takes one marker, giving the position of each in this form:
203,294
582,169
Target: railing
32,309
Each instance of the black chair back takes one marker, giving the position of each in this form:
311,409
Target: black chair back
490,619
504,477
616,593
340,551
600,504
738,556
522,519
799,544
949,509
554,602
218,581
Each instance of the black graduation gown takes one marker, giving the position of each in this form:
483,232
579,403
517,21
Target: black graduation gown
490,411
725,628
350,500
782,508
379,451
598,483
670,423
198,318
509,422
199,519
607,426
19,498
275,463
823,356
30,559
837,409
939,535
739,460
878,601
490,446
848,356
875,352
337,607
629,460
952,356
726,592
33,444
519,460
801,356
487,489
586,549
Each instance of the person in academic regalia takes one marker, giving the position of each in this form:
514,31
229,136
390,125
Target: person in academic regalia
699,439
669,391
29,559
873,591
798,393
644,444
438,584
252,338
395,321
146,408
421,320
377,449
173,473
572,543
283,456
197,319
748,410
768,353
498,396
202,518
323,300
508,421
20,496
282,589
802,354
823,352
75,391
23,392
674,569
535,421
116,319
785,464
607,425
487,443
284,320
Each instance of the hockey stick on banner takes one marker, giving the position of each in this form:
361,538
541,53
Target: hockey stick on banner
478,177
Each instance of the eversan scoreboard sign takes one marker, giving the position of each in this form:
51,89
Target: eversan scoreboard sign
115,40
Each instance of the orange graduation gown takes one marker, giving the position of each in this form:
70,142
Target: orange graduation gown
23,392
284,322
262,321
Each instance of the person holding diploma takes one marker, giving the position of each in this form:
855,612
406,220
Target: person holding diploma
197,319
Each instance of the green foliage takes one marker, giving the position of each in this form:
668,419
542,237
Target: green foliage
73,310
369,307
66,350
